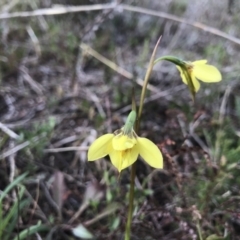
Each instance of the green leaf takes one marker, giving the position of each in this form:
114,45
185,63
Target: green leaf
214,237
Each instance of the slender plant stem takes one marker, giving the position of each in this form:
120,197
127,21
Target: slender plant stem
199,230
144,88
131,200
133,169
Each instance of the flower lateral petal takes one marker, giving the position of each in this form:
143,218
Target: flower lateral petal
100,147
182,75
150,152
207,73
195,82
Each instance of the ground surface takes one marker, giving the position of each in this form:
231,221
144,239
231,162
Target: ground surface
58,93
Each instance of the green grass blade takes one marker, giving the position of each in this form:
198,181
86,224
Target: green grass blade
12,185
31,230
13,210
13,223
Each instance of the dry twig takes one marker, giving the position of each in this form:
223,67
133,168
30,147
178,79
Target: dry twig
115,67
66,9
8,131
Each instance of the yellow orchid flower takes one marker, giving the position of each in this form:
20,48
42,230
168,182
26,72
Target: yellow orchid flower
124,146
199,70
191,72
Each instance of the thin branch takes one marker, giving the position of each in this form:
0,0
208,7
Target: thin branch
65,149
8,131
59,9
14,150
21,146
70,9
115,67
172,17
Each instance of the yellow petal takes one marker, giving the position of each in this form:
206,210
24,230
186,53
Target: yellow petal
182,75
129,156
122,142
123,159
150,152
206,73
196,83
100,147
199,62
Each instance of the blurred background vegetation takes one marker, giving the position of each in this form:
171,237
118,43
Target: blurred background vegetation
67,78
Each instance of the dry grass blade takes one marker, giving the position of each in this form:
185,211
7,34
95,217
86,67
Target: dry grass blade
14,150
20,146
146,82
93,192
114,66
223,106
8,131
12,164
34,85
109,210
160,94
35,41
70,9
59,189
65,149
220,132
172,17
58,9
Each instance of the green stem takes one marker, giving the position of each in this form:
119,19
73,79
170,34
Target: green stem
172,59
131,200
133,170
199,231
